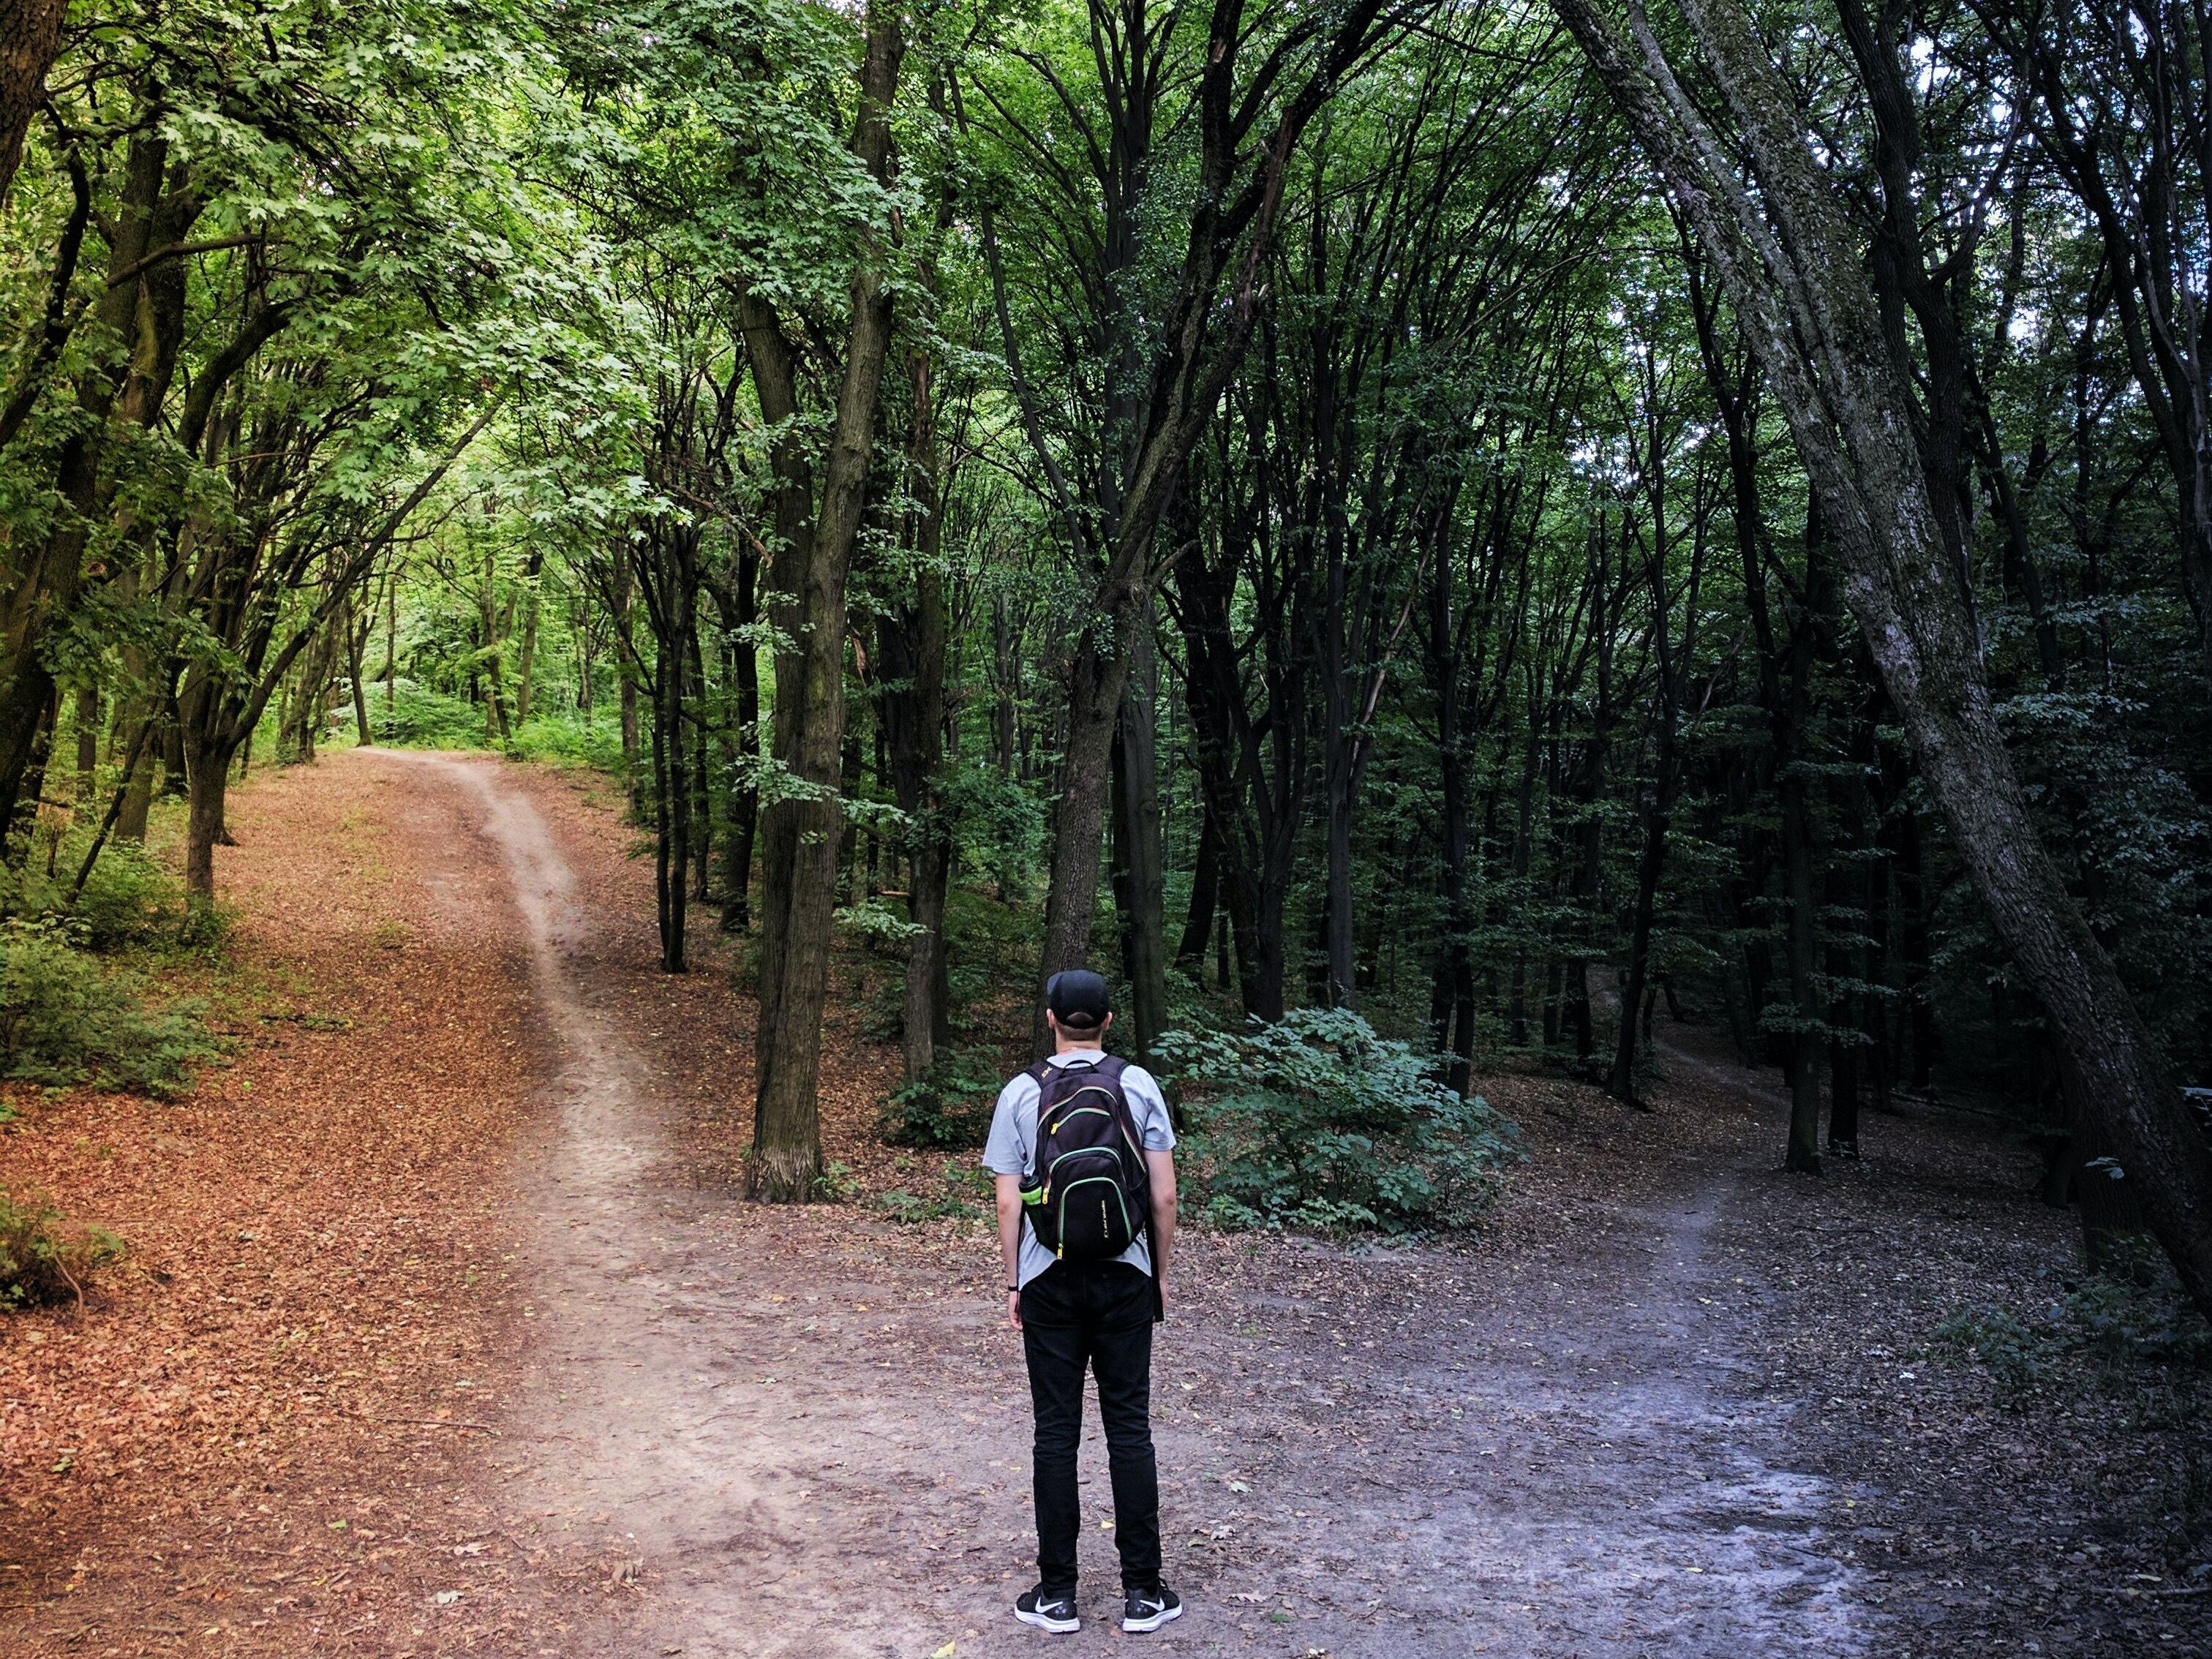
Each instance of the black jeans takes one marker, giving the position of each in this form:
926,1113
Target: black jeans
1099,1316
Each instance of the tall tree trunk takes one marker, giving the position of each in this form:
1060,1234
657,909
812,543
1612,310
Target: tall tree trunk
1341,986
87,744
626,675
1454,970
1097,680
526,666
911,648
1205,902
1143,923
745,662
1658,815
498,728
1796,278
356,641
802,833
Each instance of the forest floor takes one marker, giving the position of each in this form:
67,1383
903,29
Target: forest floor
443,1333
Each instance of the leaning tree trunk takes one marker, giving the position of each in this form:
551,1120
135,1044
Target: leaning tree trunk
1794,273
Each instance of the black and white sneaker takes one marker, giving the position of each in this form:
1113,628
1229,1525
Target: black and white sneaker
1150,1609
1054,1612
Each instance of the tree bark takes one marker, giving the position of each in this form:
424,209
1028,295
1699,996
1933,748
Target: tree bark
802,828
30,41
1143,918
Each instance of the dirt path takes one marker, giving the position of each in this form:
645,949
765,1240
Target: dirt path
804,1435
583,1404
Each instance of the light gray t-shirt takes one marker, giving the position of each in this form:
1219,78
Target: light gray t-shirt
1011,1149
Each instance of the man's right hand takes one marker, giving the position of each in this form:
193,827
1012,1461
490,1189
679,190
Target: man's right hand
1014,1309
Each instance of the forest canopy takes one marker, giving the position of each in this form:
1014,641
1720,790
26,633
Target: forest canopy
1491,518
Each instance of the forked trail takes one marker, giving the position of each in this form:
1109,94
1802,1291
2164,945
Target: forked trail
805,1434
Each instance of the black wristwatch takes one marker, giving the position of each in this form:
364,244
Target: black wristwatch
1013,1290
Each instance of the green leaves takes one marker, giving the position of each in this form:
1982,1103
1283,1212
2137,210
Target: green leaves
1315,1121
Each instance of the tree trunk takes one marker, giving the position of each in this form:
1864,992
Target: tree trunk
1204,903
1621,1083
1341,985
209,771
802,834
626,675
356,644
30,38
1797,279
1143,920
498,729
526,667
911,647
87,744
43,580
1096,682
738,862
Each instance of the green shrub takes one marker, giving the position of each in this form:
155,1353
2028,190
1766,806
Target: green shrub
2139,1314
964,1192
949,1109
2010,1351
130,898
1315,1121
45,1258
560,740
65,1018
419,718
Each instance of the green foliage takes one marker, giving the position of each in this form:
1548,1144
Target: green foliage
949,1107
2013,1353
1315,1121
131,899
2123,1320
562,740
66,1018
964,1192
2140,1315
45,1258
836,1184
416,717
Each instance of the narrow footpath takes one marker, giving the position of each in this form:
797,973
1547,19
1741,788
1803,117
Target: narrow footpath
811,1433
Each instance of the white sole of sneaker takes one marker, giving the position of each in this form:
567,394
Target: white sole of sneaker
1057,1627
1139,1626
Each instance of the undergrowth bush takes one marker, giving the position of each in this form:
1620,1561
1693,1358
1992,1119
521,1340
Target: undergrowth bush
962,1192
1315,1121
418,718
2116,1322
565,741
65,1017
948,1108
131,899
2013,1353
2139,1312
45,1257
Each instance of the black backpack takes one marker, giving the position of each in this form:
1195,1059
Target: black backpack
1089,1194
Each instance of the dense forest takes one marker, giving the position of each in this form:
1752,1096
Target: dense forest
1492,519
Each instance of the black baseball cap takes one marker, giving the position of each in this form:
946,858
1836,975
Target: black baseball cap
1077,997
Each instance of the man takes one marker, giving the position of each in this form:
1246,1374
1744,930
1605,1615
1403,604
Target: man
1074,1312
